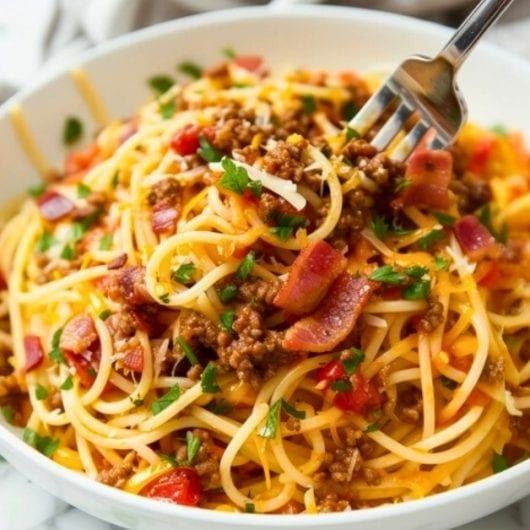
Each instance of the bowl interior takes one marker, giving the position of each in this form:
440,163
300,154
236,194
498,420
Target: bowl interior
495,85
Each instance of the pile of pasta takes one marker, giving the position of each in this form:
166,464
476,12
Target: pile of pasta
400,406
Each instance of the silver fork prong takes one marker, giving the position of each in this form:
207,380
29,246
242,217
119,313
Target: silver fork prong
436,143
372,110
409,143
391,127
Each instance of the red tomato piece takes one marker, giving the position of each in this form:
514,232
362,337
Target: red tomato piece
333,321
134,360
429,172
490,273
252,63
34,352
78,161
480,155
311,275
332,371
474,237
362,398
54,206
179,486
186,140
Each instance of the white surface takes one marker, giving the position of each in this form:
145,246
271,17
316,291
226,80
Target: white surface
311,30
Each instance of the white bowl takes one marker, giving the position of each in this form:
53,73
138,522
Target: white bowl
496,86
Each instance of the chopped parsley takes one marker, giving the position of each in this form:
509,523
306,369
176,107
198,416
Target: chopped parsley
440,263
434,236
270,428
245,267
353,361
287,224
115,180
308,104
499,463
105,314
382,229
160,83
207,151
349,110
41,392
209,379
250,507
418,290
352,133
448,383
444,219
8,412
44,444
188,352
37,190
167,110
499,129
387,274
68,252
228,293
193,444
163,403
402,184
235,177
184,274
105,243
45,241
72,130
191,69
372,427
83,191
55,354
170,459
341,385
416,271
289,409
484,215
68,383
226,319
219,406
229,53
256,188
164,298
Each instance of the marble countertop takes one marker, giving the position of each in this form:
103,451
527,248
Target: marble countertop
48,513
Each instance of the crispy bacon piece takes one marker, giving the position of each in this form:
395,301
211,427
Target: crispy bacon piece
311,275
164,218
128,286
429,173
474,238
34,352
79,161
86,364
134,359
252,63
333,321
480,156
117,263
54,206
78,334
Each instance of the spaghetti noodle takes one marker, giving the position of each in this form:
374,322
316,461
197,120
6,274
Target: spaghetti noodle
232,301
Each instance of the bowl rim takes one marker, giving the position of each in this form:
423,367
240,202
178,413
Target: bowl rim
11,444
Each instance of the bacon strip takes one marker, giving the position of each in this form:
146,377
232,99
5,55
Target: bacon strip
474,238
134,359
164,219
54,206
334,320
429,173
78,334
311,275
34,352
128,286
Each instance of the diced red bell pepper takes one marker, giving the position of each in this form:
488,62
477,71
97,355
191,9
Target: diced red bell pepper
429,172
252,63
179,486
134,360
334,320
474,238
362,398
54,206
310,277
186,140
34,352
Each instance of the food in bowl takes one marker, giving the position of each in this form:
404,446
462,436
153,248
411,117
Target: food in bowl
232,301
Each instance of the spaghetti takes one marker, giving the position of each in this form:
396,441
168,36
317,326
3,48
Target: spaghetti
231,301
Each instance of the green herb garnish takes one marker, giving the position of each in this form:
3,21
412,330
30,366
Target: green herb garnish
440,263
270,428
228,293
41,392
68,383
55,354
219,406
289,409
105,314
349,110
184,274
387,274
250,507
163,403
164,298
499,463
68,252
160,83
83,191
448,383
44,444
105,243
341,385
245,267
308,104
372,427
188,352
235,177
287,224
167,110
226,319
207,151
434,236
229,53
416,271
193,444
418,290
191,69
353,361
45,241
352,133
444,218
72,131
37,190
8,412
209,379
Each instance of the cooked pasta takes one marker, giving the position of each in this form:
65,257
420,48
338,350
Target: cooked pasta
232,301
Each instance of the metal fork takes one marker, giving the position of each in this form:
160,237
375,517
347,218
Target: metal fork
427,86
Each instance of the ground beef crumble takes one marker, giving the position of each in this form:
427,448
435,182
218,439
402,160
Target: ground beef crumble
166,190
117,475
433,315
285,160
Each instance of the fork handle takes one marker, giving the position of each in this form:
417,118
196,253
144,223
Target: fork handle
485,14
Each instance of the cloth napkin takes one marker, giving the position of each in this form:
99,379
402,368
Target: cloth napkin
39,35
